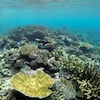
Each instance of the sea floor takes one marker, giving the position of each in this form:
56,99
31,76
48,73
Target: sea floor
73,64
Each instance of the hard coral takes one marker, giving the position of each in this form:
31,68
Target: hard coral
86,74
89,91
27,49
63,90
85,47
34,85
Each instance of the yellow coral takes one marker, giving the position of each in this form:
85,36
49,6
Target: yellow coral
35,85
27,49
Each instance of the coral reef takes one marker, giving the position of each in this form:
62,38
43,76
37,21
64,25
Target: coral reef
86,74
71,66
85,47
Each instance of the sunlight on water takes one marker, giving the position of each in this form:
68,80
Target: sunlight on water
79,15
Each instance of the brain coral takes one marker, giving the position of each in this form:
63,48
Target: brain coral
35,85
27,49
63,90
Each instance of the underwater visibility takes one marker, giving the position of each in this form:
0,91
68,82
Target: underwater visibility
49,50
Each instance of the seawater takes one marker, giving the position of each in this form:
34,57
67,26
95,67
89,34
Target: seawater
71,62
81,16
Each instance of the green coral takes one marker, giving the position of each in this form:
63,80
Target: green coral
86,75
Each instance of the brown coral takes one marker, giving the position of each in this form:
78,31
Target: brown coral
27,49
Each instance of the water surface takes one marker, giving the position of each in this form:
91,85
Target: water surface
82,16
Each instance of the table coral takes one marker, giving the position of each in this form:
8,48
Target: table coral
35,85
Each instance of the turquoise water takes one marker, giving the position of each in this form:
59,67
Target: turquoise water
82,16
38,63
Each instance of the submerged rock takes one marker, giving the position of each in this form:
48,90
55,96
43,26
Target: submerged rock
34,65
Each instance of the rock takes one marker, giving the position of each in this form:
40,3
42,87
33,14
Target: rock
39,35
43,41
34,65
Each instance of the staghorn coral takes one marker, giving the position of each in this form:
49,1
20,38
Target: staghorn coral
34,85
86,74
6,72
89,82
89,91
72,64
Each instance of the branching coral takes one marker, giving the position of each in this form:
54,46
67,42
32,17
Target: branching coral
86,74
89,90
73,65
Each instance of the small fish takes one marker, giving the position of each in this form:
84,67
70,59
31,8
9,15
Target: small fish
42,41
